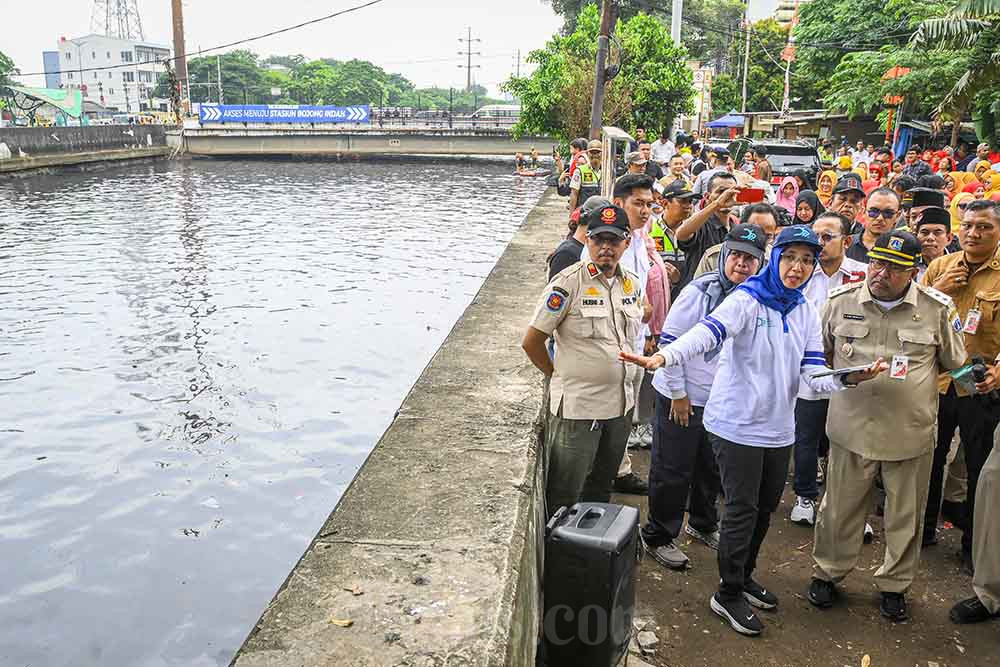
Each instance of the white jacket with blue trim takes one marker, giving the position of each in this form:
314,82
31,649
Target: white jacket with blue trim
752,400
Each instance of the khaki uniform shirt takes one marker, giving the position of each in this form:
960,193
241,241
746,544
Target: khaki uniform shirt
592,319
890,418
709,261
981,292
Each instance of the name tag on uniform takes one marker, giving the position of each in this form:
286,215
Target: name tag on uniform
972,321
899,367
628,300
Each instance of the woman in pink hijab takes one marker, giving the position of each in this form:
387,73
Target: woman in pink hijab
787,193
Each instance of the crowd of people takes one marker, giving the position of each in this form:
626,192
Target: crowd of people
847,327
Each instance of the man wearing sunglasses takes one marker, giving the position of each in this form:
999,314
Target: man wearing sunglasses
881,214
887,425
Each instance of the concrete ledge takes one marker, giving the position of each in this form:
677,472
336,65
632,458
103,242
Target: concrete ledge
432,552
48,162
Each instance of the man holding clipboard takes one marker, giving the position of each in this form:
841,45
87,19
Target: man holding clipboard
888,424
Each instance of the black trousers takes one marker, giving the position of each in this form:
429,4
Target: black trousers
752,481
810,443
682,465
976,431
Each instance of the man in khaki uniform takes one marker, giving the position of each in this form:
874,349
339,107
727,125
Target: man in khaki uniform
972,279
594,312
886,425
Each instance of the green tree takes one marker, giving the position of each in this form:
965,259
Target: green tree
973,27
726,94
652,88
766,75
6,69
828,30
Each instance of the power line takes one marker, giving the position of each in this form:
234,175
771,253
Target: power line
468,53
349,10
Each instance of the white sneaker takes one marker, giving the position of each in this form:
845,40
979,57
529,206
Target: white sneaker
804,511
634,440
869,533
646,434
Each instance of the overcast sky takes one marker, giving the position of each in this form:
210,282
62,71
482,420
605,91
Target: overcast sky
392,34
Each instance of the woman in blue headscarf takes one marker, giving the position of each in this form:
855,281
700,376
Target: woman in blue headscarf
770,340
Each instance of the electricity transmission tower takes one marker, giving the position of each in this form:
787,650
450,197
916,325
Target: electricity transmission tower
117,18
468,53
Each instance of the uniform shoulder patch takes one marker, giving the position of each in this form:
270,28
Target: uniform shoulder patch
845,288
593,270
937,295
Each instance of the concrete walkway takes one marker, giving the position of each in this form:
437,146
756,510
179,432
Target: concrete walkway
430,558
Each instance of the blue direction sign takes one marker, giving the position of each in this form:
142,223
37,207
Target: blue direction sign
282,113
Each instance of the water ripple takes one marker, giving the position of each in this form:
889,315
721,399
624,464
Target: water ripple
195,358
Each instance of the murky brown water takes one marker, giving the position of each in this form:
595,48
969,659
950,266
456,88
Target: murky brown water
195,359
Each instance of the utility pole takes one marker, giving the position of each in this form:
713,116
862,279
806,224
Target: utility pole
468,53
675,21
451,104
600,74
746,56
180,60
517,66
788,55
218,71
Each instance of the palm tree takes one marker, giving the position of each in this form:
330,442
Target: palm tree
972,26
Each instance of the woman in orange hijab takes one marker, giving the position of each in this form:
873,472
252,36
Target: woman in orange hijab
824,187
983,170
992,184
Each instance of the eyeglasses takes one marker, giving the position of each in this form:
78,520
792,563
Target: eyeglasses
887,213
808,261
826,237
881,266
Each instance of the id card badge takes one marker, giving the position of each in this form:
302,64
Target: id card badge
900,366
972,321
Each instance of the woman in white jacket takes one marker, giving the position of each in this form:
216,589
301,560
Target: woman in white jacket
770,339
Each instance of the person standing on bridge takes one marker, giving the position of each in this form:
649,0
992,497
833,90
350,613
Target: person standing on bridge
586,180
594,311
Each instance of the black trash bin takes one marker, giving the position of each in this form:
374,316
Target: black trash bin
591,552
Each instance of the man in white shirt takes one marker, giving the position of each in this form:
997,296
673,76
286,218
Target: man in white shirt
859,154
834,269
663,148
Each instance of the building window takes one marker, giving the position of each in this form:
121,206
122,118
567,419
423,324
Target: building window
110,75
93,55
69,56
128,76
111,91
109,55
126,56
69,75
95,75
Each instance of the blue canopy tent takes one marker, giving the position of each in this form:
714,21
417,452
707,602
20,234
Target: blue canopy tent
731,119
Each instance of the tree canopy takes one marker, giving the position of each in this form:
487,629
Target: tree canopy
6,69
296,80
652,88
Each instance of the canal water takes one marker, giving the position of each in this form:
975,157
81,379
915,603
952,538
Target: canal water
195,359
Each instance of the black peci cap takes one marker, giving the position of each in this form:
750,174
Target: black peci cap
934,215
925,197
899,247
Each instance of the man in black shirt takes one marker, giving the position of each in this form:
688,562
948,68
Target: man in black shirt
567,253
709,226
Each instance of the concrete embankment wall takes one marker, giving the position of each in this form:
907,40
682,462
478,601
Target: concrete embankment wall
30,148
276,142
432,553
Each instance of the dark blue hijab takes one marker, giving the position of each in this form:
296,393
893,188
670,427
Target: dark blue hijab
767,288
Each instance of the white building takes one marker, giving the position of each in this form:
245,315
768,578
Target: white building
127,85
786,9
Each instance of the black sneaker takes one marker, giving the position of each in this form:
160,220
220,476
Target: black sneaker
930,538
822,593
893,606
631,483
971,611
738,613
758,596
